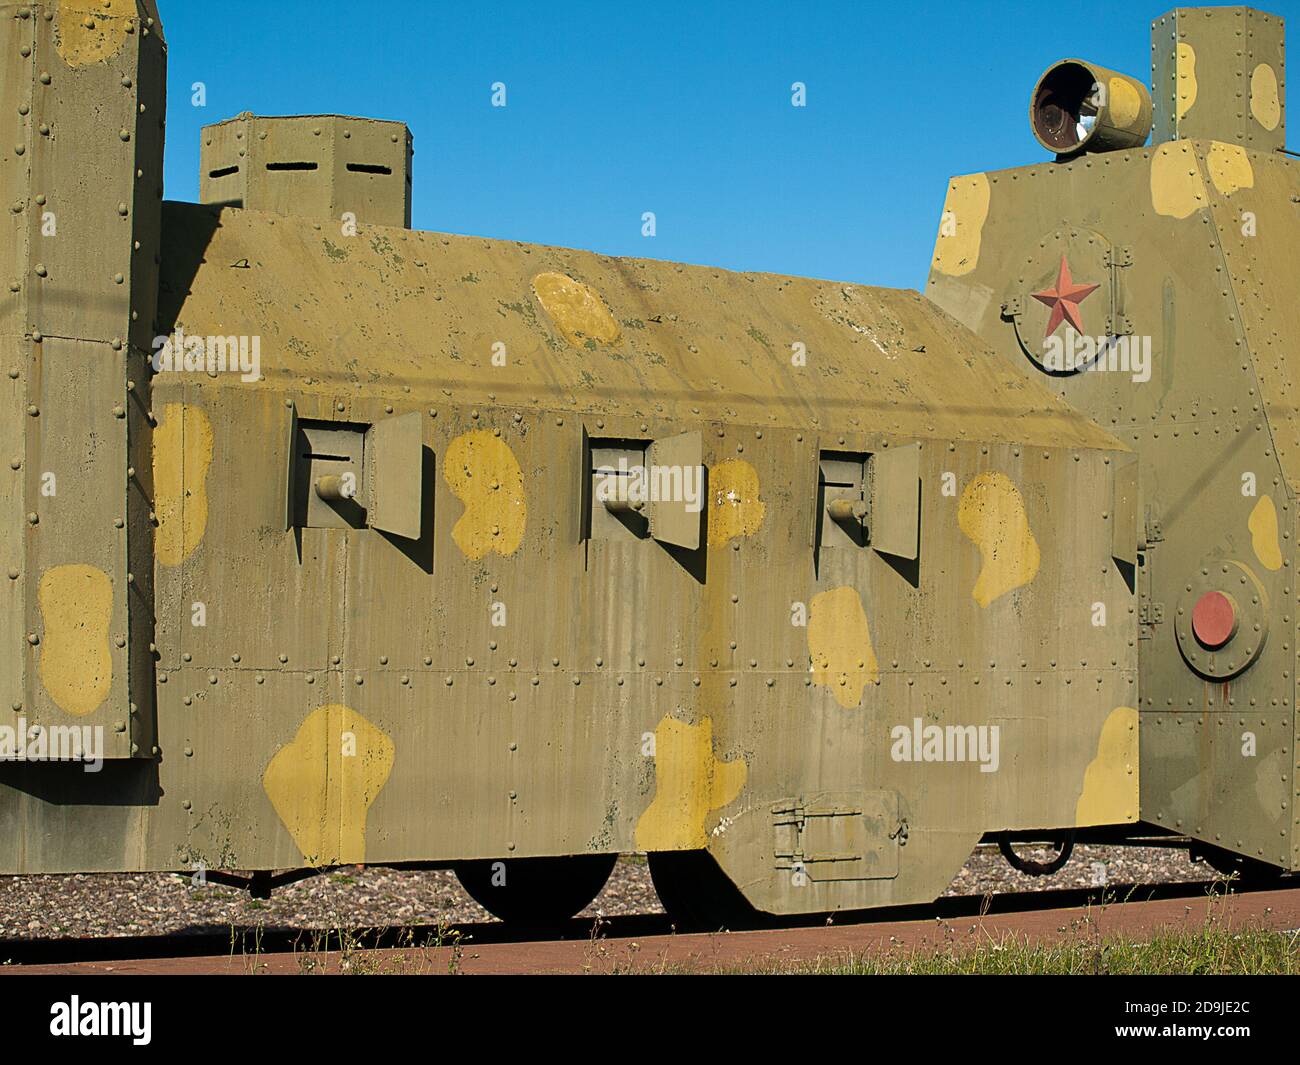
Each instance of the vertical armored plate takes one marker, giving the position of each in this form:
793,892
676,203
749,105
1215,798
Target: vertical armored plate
896,501
396,501
585,491
291,470
1124,512
83,177
676,461
13,528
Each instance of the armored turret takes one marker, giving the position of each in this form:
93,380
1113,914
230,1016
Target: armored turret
1152,285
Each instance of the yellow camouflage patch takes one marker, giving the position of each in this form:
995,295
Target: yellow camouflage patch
961,228
839,641
1262,524
1125,103
182,455
1229,168
992,515
1177,189
1265,100
735,509
690,783
1185,74
485,476
89,31
576,309
76,663
324,781
1110,783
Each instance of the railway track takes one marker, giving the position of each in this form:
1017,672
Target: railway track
633,941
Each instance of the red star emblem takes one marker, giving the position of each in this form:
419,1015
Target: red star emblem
1064,300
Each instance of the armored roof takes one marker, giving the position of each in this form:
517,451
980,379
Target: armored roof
481,319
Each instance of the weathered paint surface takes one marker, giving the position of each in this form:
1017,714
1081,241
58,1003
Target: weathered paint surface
324,781
1110,783
992,515
76,604
183,449
91,31
839,643
736,507
691,782
485,476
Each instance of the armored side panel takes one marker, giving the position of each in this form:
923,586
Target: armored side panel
81,166
315,166
1218,74
888,620
1155,290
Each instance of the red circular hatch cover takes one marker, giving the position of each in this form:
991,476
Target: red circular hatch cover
1214,619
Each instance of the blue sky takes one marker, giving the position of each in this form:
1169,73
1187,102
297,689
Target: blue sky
683,109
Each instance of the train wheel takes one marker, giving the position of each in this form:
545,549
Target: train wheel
697,894
535,891
1246,870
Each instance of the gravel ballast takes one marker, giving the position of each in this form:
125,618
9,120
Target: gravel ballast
116,904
